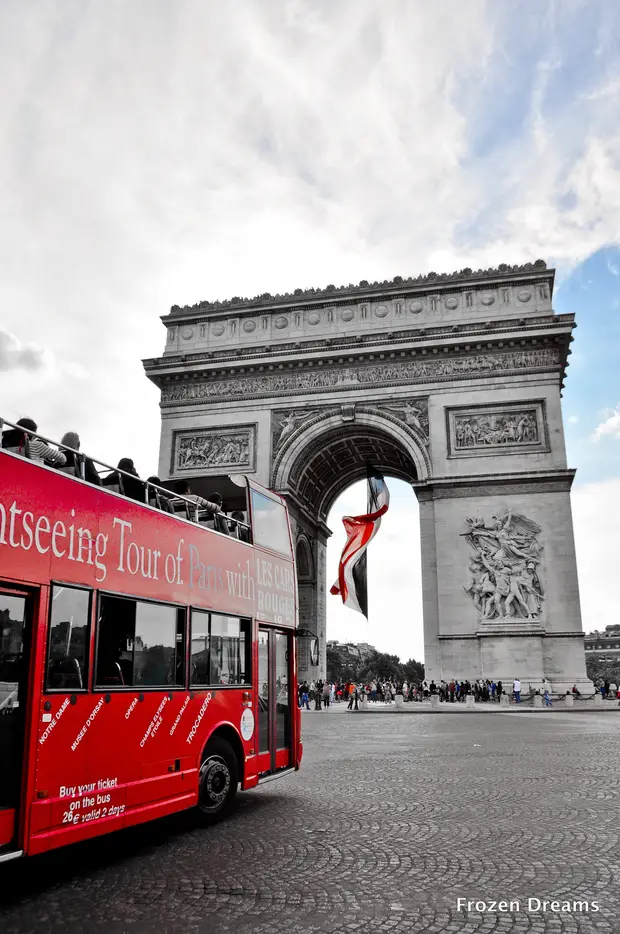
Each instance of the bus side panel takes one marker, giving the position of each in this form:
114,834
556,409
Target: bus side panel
105,757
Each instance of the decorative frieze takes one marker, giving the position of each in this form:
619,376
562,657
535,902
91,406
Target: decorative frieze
497,429
505,582
405,371
213,450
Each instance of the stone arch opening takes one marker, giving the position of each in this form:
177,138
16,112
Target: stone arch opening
395,602
305,561
315,466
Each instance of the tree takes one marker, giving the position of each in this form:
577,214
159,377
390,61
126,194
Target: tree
414,671
381,665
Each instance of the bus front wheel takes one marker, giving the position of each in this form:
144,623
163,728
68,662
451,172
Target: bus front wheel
218,781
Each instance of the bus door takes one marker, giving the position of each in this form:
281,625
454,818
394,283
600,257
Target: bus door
15,633
274,700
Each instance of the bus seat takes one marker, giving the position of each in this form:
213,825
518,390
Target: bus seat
180,506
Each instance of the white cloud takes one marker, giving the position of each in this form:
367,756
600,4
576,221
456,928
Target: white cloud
610,426
597,534
572,419
17,356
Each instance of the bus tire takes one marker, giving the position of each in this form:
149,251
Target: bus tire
217,781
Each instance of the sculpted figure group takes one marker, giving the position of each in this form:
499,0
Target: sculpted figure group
213,451
504,580
491,430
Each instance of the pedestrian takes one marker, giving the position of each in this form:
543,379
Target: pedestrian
547,692
500,691
516,690
305,697
351,696
326,694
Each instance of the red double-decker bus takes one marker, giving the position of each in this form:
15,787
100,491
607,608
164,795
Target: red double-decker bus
147,662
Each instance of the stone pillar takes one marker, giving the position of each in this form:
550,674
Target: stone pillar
504,701
538,700
598,700
311,589
400,701
569,700
470,700
430,609
435,701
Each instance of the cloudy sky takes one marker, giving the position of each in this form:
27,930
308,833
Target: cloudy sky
156,153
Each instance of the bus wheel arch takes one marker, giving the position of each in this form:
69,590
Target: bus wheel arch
221,771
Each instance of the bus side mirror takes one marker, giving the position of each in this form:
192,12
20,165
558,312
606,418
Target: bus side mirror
314,651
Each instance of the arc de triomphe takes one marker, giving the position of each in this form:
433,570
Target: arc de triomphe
451,382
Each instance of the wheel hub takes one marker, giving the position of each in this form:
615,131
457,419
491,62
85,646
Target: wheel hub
215,782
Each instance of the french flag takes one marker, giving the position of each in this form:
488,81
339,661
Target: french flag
352,571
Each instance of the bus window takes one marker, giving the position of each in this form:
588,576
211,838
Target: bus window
138,644
229,650
199,640
68,646
220,652
269,524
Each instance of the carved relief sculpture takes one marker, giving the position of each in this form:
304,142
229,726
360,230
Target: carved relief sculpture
221,449
415,415
505,582
493,430
285,423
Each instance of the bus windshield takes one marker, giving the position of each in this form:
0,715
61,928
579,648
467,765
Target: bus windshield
270,524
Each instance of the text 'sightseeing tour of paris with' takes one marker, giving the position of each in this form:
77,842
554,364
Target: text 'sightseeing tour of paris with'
308,604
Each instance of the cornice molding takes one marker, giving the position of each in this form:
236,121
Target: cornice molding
544,481
465,277
461,333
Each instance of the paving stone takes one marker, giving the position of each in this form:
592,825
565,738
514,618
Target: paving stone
390,820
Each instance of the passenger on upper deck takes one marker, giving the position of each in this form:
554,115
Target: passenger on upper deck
134,489
212,506
238,528
78,464
21,443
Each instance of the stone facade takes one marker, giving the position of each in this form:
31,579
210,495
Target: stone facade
450,382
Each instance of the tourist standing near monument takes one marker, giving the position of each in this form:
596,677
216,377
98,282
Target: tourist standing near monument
516,690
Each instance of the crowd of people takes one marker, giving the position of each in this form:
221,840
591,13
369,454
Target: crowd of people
323,693
68,458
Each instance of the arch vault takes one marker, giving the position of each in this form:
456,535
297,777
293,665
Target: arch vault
451,383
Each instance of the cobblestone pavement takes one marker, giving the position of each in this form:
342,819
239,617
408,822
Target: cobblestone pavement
390,820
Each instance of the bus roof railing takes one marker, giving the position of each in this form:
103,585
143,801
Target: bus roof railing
194,512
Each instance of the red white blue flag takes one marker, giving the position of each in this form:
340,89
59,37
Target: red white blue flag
352,571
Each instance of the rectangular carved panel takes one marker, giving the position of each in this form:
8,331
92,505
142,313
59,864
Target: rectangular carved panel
515,428
214,450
